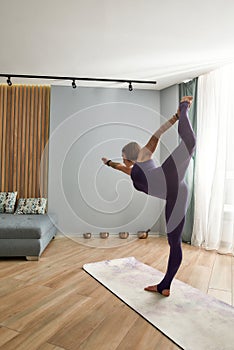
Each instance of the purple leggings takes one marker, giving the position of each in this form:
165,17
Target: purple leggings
174,169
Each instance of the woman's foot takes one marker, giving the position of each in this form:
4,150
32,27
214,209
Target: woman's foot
165,292
188,99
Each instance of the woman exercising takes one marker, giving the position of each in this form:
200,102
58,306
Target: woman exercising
165,182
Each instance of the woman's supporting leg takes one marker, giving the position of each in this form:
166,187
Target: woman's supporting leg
175,219
174,261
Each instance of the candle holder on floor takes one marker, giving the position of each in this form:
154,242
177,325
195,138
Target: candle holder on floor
143,234
104,234
123,235
87,235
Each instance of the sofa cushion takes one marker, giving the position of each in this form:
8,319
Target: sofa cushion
24,226
31,206
7,202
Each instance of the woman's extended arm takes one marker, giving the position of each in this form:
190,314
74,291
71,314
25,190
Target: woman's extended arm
153,141
117,166
147,151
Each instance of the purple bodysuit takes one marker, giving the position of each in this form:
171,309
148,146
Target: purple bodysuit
149,178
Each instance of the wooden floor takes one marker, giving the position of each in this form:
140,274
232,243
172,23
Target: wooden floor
52,304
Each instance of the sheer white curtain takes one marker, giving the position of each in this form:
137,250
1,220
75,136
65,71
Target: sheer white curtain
214,171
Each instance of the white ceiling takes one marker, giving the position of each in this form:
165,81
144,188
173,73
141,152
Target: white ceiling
167,41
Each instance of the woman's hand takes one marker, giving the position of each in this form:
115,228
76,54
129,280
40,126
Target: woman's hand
117,166
105,160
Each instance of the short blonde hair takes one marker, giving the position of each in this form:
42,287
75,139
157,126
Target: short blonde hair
131,151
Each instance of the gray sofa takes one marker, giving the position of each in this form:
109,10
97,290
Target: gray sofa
26,235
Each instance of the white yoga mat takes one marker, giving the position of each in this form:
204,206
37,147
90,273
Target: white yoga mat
190,318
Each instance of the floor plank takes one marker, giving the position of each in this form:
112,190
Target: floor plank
221,276
6,335
142,335
222,295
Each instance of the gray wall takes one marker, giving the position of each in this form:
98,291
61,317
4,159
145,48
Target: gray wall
86,124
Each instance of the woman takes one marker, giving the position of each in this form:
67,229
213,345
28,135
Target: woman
165,181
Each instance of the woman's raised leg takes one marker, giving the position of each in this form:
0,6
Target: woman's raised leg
177,163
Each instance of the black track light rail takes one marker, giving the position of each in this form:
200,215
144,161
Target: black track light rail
52,77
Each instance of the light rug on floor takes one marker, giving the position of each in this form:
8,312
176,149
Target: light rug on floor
190,318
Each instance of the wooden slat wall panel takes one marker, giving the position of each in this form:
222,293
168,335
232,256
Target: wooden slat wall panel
24,133
39,112
15,135
4,136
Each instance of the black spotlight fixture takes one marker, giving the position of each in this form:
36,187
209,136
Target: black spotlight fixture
130,88
74,84
9,82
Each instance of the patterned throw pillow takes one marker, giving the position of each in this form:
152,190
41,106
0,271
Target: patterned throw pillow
31,206
7,202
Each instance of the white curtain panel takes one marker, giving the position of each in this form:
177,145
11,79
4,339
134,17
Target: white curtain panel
214,172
